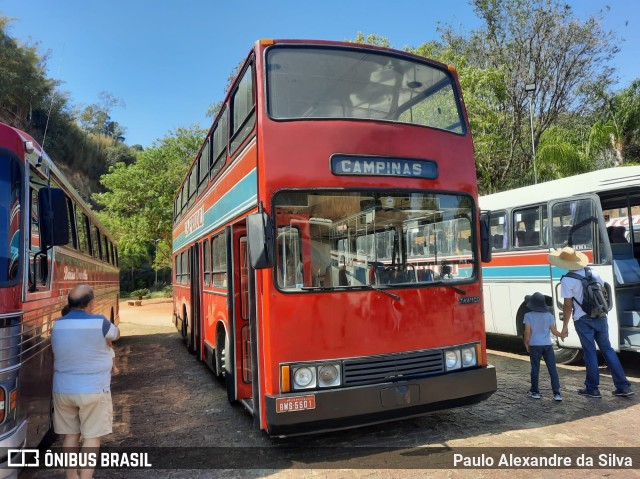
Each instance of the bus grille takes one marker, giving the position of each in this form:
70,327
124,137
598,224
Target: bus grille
392,367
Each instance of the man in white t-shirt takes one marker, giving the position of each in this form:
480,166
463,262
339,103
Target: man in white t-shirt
82,365
590,331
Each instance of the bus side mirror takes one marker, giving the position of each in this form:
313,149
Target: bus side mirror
485,236
53,217
260,236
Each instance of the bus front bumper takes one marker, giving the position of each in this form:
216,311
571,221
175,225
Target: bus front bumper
359,406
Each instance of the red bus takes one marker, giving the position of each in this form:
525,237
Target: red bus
49,242
327,240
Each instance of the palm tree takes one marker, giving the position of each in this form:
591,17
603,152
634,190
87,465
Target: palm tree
619,128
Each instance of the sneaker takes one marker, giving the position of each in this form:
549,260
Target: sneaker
534,395
623,392
557,396
592,393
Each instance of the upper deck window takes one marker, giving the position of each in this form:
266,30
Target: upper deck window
328,82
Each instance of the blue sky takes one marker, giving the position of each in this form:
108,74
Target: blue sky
168,60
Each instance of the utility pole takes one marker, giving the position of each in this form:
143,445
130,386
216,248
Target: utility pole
531,88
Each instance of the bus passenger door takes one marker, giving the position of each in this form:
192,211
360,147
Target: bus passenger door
578,222
241,307
194,335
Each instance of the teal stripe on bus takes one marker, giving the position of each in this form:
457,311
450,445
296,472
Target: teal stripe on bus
240,198
520,272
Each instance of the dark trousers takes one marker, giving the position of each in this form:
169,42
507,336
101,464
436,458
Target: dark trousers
546,352
592,332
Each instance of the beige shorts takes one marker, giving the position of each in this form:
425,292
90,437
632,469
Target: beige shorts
88,414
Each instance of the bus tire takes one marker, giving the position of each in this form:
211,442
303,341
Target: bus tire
190,339
566,355
226,367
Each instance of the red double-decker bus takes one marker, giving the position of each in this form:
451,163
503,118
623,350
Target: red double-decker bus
50,241
327,240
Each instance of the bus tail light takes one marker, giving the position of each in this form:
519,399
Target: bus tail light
14,400
2,405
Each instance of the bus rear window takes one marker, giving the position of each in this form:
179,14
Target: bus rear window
10,220
315,82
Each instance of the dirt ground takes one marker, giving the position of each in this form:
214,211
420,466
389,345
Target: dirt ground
165,398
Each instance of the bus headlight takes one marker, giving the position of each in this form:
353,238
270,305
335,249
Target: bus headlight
468,357
310,376
304,378
328,375
452,359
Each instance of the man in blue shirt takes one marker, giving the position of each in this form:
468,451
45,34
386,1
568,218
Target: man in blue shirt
82,375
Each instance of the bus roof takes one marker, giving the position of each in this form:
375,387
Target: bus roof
619,178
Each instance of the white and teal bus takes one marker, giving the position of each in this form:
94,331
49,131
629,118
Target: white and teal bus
592,212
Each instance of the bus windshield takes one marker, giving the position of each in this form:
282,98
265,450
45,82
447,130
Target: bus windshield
329,82
329,240
10,188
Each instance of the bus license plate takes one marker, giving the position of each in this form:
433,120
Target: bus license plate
297,403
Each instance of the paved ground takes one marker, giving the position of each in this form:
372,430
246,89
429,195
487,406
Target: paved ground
164,398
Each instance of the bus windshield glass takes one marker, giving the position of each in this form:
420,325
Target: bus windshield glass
10,193
324,82
328,240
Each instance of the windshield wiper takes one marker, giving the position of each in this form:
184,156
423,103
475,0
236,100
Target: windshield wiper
444,283
357,286
381,290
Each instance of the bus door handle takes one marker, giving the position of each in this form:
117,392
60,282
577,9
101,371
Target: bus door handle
559,304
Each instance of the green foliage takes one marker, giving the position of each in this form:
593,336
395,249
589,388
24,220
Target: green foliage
371,39
138,203
30,101
139,293
617,128
527,41
24,84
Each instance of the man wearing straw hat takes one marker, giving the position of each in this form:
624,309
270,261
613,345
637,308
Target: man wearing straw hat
590,331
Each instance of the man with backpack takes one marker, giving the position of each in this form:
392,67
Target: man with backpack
582,290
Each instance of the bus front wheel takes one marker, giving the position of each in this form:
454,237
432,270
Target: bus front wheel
567,355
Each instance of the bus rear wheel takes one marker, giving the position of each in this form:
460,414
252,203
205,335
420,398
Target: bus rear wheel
567,355
223,359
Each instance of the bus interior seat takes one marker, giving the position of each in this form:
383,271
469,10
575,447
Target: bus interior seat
343,280
626,269
497,241
560,235
464,244
426,275
520,238
618,235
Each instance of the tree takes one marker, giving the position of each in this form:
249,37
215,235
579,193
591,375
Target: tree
484,91
96,118
138,203
371,39
541,42
618,124
24,84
